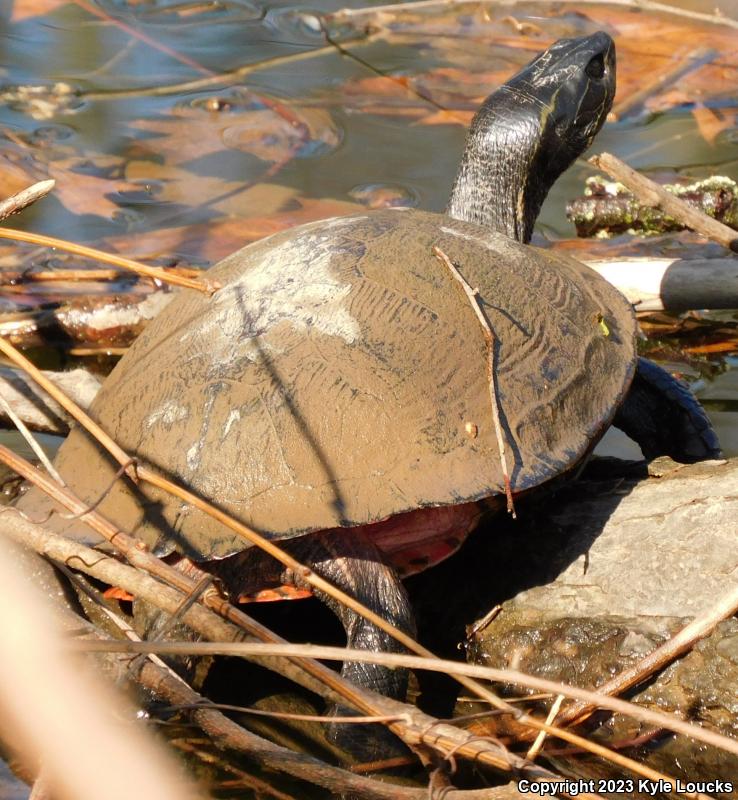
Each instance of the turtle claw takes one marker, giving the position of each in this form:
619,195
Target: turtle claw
364,743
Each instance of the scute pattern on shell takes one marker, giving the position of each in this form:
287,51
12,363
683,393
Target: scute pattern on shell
333,381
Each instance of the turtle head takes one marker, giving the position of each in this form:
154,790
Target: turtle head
530,130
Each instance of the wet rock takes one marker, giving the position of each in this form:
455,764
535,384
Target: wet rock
615,565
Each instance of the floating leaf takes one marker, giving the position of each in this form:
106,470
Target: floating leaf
711,123
192,132
24,9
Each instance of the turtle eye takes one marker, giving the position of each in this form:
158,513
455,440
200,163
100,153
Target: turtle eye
596,67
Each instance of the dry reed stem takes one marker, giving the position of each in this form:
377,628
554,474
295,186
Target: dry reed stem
317,677
655,196
141,472
164,684
98,255
25,198
31,441
222,79
475,302
647,716
535,748
76,275
288,715
97,351
402,729
68,405
134,668
138,557
347,14
65,720
241,779
417,728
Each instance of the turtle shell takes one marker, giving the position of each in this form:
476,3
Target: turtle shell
340,377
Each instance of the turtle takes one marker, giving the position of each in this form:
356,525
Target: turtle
334,393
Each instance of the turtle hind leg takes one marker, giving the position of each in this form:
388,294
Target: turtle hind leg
351,562
663,416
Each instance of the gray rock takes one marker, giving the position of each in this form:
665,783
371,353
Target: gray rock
615,566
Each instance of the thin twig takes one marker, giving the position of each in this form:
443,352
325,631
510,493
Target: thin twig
199,84
475,301
287,715
535,748
83,352
137,557
99,566
31,440
52,275
81,584
241,778
165,685
207,287
24,198
416,727
401,660
306,573
244,531
655,196
68,405
38,412
349,14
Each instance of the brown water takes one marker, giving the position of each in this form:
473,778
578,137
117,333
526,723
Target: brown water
168,178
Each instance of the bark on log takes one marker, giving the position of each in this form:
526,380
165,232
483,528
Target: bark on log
655,196
611,208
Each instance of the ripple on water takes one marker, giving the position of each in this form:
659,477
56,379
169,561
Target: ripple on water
302,24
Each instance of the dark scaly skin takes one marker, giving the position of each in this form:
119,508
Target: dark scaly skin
351,562
665,418
530,130
659,413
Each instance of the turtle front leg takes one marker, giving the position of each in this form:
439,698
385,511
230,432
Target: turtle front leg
663,416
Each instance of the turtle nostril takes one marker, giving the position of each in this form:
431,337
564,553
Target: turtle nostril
596,67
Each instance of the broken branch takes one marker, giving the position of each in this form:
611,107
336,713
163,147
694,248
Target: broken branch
473,297
25,198
90,252
651,194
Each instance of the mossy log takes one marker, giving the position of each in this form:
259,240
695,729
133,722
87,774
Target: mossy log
609,208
